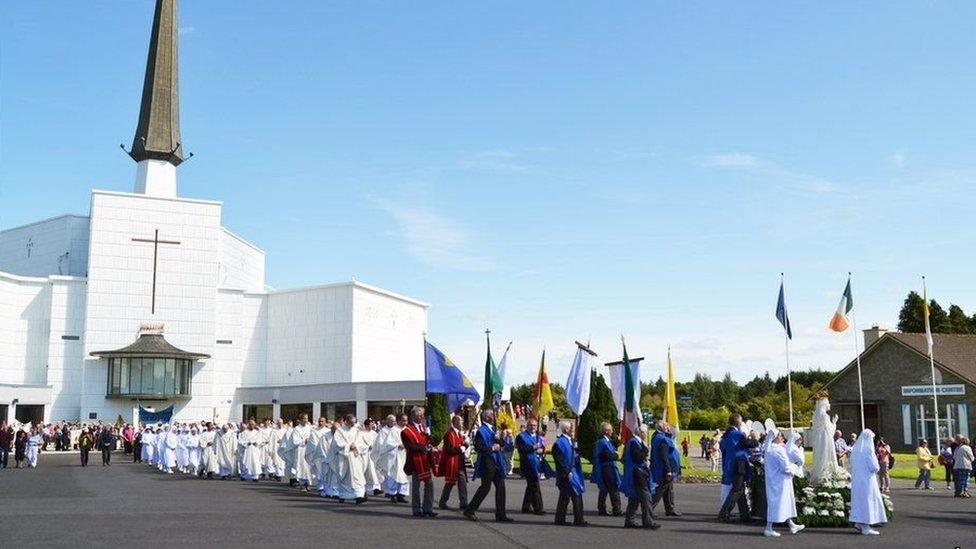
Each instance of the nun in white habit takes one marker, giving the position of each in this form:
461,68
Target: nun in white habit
867,507
780,470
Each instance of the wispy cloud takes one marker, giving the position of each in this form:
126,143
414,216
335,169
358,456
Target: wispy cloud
434,238
897,160
786,178
495,160
187,30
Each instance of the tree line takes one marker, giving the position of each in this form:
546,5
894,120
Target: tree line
911,318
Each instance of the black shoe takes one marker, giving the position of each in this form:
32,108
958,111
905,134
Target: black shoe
431,514
360,501
393,499
539,513
618,513
340,500
673,513
401,499
584,523
462,507
418,515
653,526
603,513
560,523
443,506
377,492
505,519
470,516
630,525
255,480
292,482
747,520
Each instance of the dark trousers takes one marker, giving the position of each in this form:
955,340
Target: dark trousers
948,471
106,455
566,495
427,506
643,500
4,456
737,496
664,491
137,452
614,494
84,456
462,486
532,500
491,476
127,446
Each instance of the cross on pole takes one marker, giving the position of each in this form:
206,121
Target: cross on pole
155,241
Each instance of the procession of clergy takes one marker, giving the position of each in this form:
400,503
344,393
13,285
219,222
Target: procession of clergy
345,461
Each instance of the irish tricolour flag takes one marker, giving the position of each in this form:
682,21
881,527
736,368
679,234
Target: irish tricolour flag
839,322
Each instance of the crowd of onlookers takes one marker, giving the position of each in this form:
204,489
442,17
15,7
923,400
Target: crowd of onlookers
955,455
25,442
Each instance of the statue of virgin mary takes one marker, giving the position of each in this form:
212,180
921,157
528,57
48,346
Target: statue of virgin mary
822,441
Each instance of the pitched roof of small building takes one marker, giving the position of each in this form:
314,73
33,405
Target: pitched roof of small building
150,346
953,352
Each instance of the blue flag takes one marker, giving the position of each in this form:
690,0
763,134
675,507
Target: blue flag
444,377
781,315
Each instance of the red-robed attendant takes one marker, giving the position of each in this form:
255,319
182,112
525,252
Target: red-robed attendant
416,440
452,464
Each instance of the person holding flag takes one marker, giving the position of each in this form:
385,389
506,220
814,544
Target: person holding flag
636,481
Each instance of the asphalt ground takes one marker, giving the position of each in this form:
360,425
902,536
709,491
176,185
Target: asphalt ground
61,504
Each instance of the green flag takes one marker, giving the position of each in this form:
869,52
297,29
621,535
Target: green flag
493,381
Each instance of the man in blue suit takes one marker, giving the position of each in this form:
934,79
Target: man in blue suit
636,481
569,476
665,467
735,447
605,474
489,468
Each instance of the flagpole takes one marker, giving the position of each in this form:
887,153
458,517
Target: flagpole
425,368
857,355
786,336
935,391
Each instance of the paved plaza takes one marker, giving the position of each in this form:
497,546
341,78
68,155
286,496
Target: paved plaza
62,504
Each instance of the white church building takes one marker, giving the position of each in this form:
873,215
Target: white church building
149,301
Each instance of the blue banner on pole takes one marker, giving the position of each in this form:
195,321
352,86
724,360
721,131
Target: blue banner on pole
159,416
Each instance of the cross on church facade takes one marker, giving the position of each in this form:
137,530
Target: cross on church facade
155,241
30,246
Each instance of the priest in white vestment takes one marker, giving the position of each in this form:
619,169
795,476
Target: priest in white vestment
252,452
390,458
370,475
297,440
346,463
274,466
286,453
208,455
867,506
779,472
226,452
182,449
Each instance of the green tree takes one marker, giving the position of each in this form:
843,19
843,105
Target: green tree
600,408
702,390
727,391
440,417
911,319
961,324
758,387
938,319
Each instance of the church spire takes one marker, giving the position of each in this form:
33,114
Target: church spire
157,146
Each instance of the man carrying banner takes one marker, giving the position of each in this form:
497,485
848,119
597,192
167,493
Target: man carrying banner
489,468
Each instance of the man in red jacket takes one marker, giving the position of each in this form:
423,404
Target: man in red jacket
452,465
416,440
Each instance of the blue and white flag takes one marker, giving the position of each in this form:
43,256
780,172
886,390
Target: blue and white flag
503,364
578,384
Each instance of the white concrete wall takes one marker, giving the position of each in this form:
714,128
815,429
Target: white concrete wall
310,335
120,280
65,356
25,310
387,336
58,246
241,264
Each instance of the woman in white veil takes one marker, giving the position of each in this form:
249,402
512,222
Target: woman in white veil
867,507
779,470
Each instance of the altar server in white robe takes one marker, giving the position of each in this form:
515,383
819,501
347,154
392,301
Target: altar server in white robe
301,473
274,466
148,445
867,507
169,443
346,463
160,437
193,451
208,455
390,458
779,472
368,435
226,451
251,438
34,442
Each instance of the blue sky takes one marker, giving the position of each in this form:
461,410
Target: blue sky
556,171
